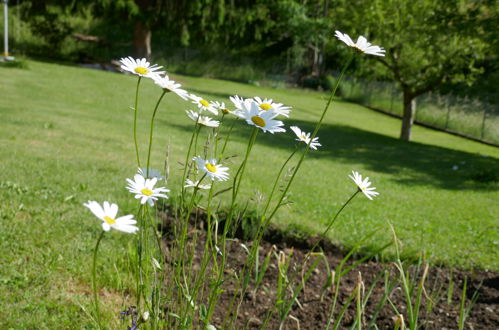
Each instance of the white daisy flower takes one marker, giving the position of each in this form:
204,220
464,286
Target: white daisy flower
140,67
361,45
144,189
264,120
152,173
203,120
264,105
192,184
212,169
237,101
268,104
363,185
108,216
170,86
220,106
202,104
305,137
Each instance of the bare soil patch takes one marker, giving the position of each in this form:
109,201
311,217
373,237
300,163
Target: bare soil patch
440,301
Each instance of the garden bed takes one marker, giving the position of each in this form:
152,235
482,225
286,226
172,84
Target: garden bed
440,302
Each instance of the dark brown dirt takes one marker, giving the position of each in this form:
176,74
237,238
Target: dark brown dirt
440,300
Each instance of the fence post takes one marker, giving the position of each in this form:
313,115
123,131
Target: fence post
482,133
447,116
5,28
369,93
391,98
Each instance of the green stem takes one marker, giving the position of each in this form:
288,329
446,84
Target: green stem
206,255
277,180
135,122
185,224
226,140
260,226
196,140
155,294
94,279
216,131
236,184
151,132
201,275
240,171
228,221
317,127
186,164
140,249
332,221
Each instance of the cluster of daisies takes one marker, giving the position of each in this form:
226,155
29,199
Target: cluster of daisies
261,113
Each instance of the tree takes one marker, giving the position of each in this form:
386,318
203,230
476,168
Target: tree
307,25
427,42
142,14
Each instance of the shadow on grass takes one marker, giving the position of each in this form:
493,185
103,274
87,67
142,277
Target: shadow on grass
409,163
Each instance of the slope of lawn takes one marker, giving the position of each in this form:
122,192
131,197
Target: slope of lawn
66,137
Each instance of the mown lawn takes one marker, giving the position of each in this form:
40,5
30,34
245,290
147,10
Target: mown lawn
66,137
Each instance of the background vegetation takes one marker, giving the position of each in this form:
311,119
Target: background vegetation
287,39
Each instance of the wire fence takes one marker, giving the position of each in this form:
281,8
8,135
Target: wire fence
463,115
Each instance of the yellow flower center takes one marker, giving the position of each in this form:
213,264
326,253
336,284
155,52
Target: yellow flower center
204,103
358,50
265,106
147,192
141,70
225,111
109,220
303,137
258,121
210,167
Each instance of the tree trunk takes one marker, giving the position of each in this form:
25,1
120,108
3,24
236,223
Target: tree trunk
315,60
322,52
142,41
408,115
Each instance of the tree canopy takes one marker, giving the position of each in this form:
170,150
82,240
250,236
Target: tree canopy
427,42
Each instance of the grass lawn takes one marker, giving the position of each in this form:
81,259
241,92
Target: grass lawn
66,137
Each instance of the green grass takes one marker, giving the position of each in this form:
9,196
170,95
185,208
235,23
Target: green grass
66,137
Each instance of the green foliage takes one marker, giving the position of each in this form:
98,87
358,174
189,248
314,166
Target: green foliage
46,29
52,27
216,68
311,82
426,42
